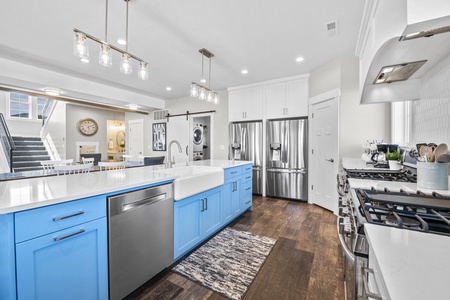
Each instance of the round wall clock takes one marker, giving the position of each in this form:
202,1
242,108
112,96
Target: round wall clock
87,126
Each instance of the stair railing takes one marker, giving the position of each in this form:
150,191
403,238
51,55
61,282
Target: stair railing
47,110
7,141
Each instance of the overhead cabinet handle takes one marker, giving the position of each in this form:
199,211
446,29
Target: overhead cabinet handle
69,216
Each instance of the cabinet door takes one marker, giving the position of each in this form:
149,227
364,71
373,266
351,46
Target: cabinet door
227,202
235,106
236,196
73,267
187,227
297,98
275,100
253,103
212,211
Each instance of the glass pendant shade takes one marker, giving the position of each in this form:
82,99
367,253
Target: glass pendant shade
143,71
80,47
216,98
210,97
194,90
125,66
105,57
202,95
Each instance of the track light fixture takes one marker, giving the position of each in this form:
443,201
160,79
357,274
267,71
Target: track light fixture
81,49
201,92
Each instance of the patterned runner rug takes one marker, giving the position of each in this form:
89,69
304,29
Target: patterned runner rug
228,263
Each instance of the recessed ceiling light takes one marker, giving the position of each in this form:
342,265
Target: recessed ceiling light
52,92
133,106
299,59
121,42
168,88
85,60
245,71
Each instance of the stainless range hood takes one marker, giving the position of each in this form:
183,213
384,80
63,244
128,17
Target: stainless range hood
396,69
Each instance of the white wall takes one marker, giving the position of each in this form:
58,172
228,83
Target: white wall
431,115
220,133
55,130
357,122
74,113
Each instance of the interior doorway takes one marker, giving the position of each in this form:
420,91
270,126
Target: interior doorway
135,138
324,141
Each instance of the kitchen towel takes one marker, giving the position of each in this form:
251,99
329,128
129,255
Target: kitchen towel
228,263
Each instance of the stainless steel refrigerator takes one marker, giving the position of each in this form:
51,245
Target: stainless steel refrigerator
287,159
246,143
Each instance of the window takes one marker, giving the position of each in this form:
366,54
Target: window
40,106
19,106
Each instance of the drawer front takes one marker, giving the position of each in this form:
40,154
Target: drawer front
247,176
231,172
247,168
246,202
37,222
247,189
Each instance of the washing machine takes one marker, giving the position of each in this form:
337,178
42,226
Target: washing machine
198,138
197,156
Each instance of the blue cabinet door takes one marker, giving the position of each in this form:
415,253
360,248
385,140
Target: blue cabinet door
236,197
227,203
187,227
67,264
212,211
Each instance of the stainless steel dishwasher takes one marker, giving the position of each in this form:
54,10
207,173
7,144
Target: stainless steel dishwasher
140,242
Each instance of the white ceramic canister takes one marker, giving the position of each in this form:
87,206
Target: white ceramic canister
433,176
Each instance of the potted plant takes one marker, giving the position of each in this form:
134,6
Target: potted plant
394,159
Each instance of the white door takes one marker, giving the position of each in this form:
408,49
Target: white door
325,153
178,128
136,138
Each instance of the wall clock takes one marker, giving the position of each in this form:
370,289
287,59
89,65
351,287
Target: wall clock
87,127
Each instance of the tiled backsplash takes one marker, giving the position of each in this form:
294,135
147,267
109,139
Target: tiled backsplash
430,116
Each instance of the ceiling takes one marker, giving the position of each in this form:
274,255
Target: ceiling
263,36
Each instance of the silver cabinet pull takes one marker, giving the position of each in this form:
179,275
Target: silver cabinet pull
370,294
330,160
203,205
248,177
234,172
249,188
69,216
57,239
206,200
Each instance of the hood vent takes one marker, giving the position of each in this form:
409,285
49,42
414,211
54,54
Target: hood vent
425,33
398,72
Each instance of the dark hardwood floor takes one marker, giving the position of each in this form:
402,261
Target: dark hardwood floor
306,262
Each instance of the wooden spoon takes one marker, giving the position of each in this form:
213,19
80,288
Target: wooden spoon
443,158
423,151
441,149
430,154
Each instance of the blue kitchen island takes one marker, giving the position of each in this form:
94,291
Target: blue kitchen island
54,236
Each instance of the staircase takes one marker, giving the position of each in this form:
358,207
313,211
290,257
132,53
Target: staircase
29,153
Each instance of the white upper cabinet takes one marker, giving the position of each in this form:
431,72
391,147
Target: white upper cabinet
281,98
287,99
245,104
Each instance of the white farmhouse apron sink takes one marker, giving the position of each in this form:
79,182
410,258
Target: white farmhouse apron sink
191,180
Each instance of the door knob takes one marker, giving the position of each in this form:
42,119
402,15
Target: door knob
330,160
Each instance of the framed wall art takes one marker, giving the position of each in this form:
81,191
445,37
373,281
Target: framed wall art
159,136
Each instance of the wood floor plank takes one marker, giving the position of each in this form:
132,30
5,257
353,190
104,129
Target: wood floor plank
284,275
306,262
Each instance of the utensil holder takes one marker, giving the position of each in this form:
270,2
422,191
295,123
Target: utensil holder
433,176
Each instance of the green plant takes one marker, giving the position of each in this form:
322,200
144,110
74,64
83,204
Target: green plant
393,155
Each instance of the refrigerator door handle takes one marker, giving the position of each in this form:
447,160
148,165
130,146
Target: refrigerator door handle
301,171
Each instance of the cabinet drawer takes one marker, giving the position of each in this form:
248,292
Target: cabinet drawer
246,189
41,221
246,202
247,176
247,169
231,172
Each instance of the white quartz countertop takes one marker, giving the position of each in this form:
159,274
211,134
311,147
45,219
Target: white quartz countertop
224,164
358,163
23,194
413,265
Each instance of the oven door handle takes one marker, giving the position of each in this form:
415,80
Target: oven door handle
348,253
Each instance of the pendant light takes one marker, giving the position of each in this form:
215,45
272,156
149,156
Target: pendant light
81,50
201,92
